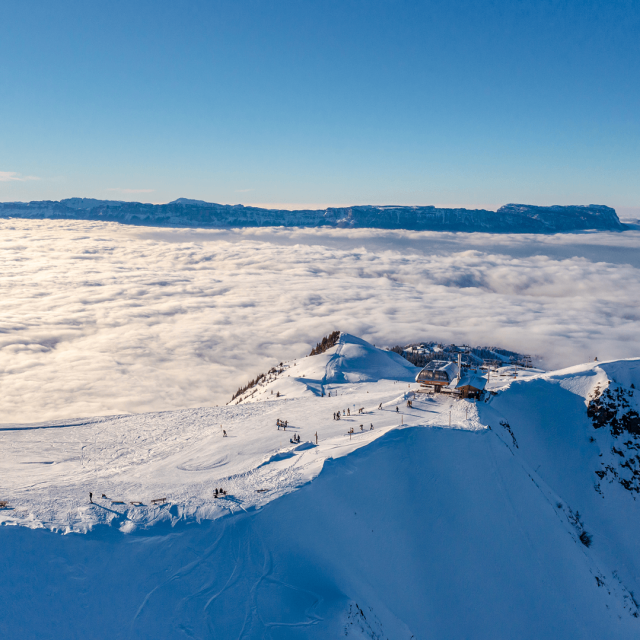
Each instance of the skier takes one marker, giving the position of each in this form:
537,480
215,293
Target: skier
224,433
348,411
397,410
90,497
371,428
380,406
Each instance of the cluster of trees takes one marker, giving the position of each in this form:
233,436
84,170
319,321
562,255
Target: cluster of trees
326,343
262,377
248,386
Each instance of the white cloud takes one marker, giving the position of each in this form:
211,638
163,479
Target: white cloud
12,176
99,318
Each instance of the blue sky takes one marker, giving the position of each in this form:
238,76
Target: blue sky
315,103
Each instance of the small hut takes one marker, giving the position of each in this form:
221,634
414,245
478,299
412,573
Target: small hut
470,385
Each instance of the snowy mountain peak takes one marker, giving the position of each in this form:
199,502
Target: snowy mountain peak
355,360
190,201
351,360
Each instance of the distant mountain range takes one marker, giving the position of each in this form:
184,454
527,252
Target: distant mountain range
511,218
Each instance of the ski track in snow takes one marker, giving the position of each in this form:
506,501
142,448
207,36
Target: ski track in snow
49,471
183,456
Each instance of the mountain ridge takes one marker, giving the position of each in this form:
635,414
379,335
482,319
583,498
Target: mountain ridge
183,212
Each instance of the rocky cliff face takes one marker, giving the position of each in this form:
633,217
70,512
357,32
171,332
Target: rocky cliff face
512,218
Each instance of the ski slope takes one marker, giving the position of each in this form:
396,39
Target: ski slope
449,519
49,469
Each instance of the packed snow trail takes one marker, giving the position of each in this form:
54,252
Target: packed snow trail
48,470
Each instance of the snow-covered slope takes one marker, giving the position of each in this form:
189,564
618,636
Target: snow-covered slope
351,360
449,519
512,218
427,533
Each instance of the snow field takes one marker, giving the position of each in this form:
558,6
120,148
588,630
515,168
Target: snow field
425,533
413,529
183,456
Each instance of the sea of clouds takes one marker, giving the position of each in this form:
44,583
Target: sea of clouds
100,318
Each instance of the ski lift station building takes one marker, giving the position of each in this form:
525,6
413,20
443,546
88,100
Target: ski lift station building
438,374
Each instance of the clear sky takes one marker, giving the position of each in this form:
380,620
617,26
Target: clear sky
321,102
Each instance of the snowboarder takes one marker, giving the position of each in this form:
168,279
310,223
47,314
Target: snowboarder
224,433
90,497
371,428
380,406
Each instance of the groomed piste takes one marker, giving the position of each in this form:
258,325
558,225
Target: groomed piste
514,516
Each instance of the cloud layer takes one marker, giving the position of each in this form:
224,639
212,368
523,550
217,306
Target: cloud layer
13,176
99,318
